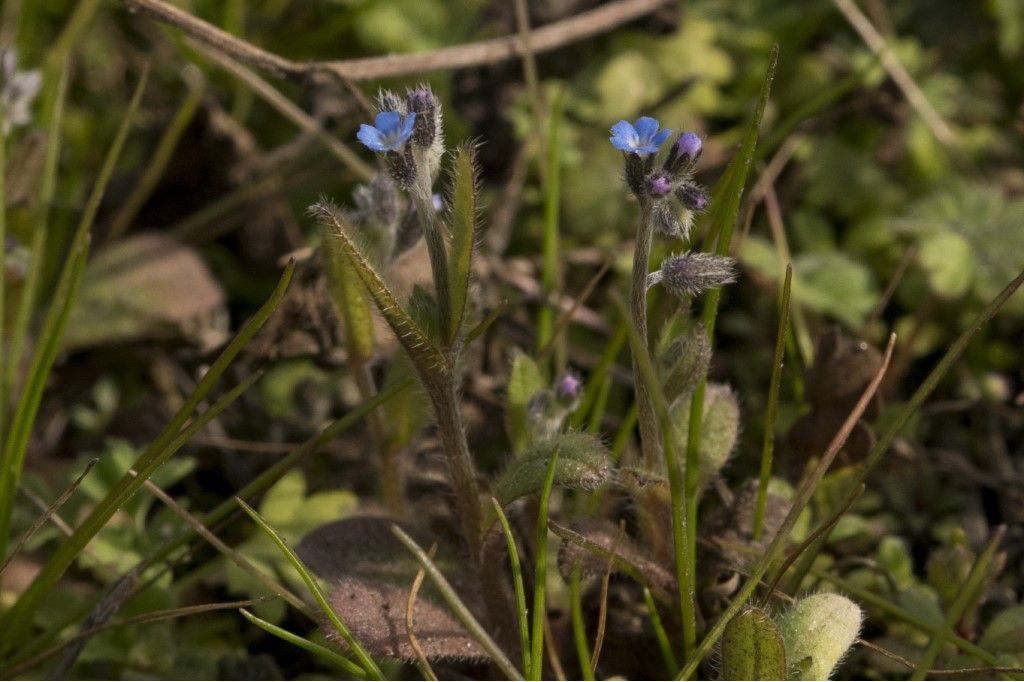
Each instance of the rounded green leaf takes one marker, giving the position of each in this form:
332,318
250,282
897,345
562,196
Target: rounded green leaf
752,648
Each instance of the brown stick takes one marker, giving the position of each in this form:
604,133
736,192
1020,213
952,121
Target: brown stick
544,39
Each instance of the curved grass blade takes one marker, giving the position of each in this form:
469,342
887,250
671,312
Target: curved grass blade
16,621
517,582
360,653
459,609
541,572
318,650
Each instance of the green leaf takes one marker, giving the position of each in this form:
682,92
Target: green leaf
462,222
584,463
1005,633
949,261
752,648
427,358
524,382
350,300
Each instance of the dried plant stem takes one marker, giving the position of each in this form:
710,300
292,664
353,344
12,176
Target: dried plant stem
410,606
649,437
899,74
544,39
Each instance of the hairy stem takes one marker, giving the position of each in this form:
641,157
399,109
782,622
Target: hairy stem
649,439
460,462
436,249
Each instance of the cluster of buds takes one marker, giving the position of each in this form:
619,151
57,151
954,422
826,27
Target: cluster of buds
408,133
671,197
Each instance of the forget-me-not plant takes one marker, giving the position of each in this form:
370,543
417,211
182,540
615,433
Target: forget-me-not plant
389,132
641,138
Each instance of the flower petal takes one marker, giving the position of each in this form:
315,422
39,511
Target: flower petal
388,122
661,137
646,127
624,136
407,127
371,137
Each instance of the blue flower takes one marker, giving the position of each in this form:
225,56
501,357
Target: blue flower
641,138
389,132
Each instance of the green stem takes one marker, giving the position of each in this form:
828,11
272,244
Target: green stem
768,445
579,631
649,437
540,575
517,582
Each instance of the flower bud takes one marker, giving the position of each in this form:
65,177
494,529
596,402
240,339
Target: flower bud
389,101
692,273
402,167
658,185
424,104
569,386
692,197
666,220
817,632
684,153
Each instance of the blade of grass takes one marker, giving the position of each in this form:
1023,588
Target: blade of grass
517,583
968,594
540,573
16,442
551,276
161,156
724,215
768,445
3,270
358,651
18,617
318,650
579,631
230,553
223,512
34,272
936,631
458,608
681,531
50,510
800,501
664,645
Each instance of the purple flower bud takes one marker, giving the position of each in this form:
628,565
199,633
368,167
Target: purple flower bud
693,273
692,197
422,102
689,145
684,154
658,185
569,386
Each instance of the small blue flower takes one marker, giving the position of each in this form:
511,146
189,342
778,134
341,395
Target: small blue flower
389,132
641,138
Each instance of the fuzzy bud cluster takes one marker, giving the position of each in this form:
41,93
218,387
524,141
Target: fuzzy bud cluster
407,133
693,273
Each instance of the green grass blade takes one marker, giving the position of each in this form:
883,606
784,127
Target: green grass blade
16,445
540,574
161,156
318,650
664,644
685,569
462,221
724,214
579,631
517,583
768,445
968,594
551,273
360,653
34,273
16,621
459,609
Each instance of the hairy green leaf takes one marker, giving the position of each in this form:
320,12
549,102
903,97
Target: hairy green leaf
584,463
462,222
752,648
